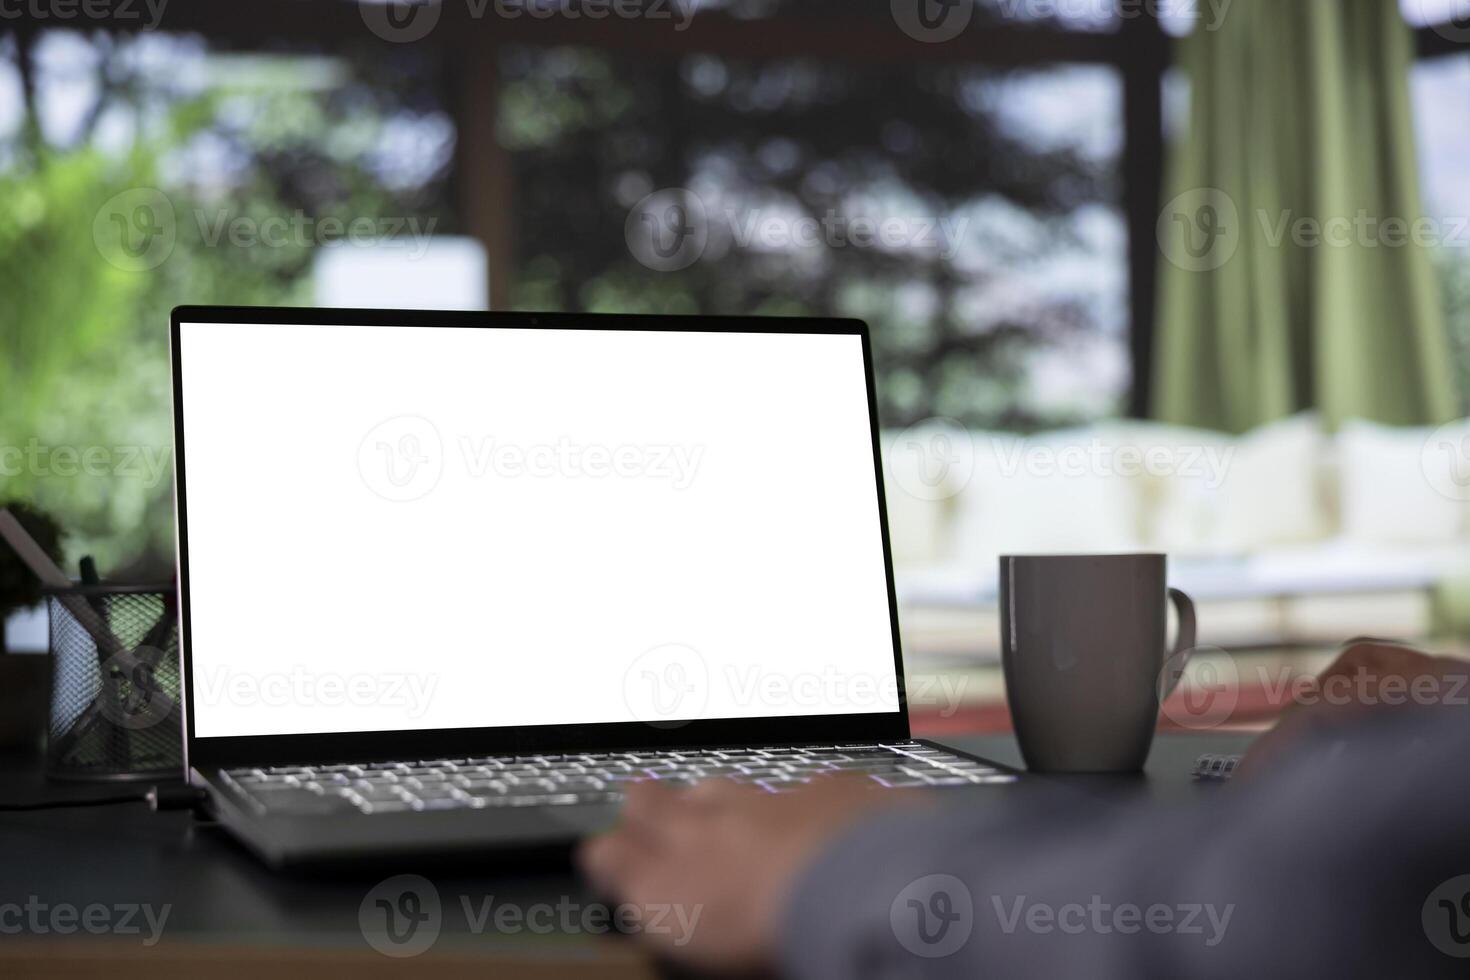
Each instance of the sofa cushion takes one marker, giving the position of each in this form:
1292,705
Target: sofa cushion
1401,486
1182,472
1057,492
924,469
1269,492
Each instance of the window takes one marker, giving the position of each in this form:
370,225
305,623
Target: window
971,215
1440,88
1434,13
159,168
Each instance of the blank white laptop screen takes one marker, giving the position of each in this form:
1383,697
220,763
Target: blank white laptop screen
396,528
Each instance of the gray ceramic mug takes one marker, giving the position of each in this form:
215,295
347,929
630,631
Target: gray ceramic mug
1084,647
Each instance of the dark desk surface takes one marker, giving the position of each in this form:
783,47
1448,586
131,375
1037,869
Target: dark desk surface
228,914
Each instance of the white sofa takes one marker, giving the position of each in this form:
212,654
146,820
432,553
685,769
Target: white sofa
1287,535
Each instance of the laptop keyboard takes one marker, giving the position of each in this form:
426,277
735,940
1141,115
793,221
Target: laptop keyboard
583,778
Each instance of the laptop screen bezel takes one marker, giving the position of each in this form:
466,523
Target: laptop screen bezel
264,750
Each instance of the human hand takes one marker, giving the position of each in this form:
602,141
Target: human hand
726,857
1368,676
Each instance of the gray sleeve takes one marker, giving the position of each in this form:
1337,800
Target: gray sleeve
1342,862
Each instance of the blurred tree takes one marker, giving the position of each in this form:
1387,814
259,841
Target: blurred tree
1454,278
83,321
353,133
592,134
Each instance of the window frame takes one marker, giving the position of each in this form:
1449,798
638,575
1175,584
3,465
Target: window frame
1139,49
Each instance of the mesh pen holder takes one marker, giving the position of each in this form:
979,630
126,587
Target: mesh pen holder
115,707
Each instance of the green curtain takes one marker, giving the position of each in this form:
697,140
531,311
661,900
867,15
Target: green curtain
1290,277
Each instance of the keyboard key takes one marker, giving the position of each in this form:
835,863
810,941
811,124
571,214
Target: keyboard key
480,786
581,784
385,806
526,786
898,782
378,794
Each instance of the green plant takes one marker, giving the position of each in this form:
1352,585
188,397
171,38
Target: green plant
1454,278
84,363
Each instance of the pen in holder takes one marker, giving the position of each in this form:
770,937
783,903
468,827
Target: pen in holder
114,704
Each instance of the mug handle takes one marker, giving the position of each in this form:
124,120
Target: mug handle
1178,658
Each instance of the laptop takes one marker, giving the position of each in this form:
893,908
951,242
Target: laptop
452,582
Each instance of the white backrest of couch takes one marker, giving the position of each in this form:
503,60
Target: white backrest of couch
964,498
